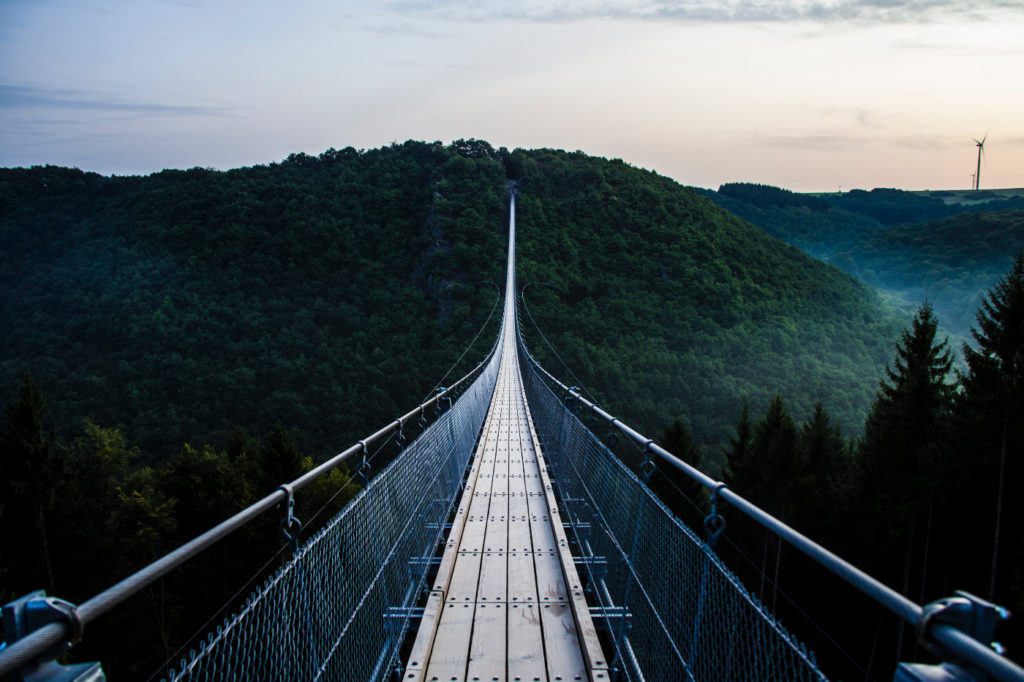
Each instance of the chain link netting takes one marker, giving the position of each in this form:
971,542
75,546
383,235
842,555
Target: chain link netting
340,608
674,611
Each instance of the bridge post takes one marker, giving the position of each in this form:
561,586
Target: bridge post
32,612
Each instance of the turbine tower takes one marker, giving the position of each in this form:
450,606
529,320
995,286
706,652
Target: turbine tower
981,150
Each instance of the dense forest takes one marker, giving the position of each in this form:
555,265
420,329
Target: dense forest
918,246
663,305
177,345
925,500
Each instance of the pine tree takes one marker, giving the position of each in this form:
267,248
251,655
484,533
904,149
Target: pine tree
993,407
905,434
905,458
678,439
280,459
826,481
773,466
770,477
739,445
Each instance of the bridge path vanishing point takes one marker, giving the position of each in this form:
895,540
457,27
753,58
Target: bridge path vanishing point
507,602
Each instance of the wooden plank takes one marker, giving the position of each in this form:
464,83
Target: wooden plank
518,504
590,645
496,539
543,536
451,644
474,532
487,650
420,654
522,577
561,643
550,581
493,585
465,578
519,537
526,659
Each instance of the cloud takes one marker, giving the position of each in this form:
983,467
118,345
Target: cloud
24,97
812,142
751,11
921,142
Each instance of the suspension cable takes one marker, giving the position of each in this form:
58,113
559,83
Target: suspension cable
522,297
470,345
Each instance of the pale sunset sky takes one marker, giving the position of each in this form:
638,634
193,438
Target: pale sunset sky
808,95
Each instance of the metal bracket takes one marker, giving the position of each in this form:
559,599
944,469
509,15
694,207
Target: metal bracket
970,614
614,619
396,617
34,611
648,466
572,399
967,613
290,525
595,567
399,436
442,394
714,523
612,438
363,472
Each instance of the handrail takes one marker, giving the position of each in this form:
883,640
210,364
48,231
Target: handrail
948,637
39,641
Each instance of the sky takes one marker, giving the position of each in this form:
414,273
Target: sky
811,95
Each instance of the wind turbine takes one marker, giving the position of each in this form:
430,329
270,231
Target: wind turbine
981,150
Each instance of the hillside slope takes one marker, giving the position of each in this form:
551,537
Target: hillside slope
665,305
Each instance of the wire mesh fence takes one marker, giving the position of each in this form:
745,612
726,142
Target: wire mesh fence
675,612
340,608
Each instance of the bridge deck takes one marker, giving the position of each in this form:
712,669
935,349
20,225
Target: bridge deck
507,602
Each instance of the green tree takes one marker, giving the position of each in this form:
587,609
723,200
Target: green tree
280,461
144,525
904,460
94,467
906,432
739,445
993,404
678,439
826,480
769,476
772,468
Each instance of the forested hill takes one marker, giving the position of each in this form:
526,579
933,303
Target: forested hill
944,247
329,293
666,306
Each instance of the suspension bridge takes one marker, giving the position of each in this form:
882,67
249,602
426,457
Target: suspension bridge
505,542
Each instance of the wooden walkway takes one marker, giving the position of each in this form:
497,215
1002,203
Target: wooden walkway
507,602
